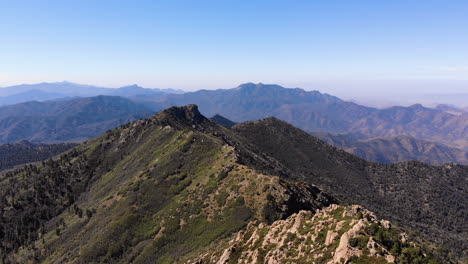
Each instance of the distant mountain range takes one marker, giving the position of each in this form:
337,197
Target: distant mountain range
452,109
395,149
63,121
48,91
30,95
313,111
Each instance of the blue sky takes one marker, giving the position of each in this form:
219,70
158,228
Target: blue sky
219,44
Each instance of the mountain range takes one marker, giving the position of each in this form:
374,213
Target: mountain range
178,188
69,120
395,149
433,135
313,111
57,90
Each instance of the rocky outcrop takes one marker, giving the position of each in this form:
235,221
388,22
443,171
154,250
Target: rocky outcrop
334,235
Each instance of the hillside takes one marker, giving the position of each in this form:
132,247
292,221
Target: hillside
133,182
395,149
413,194
26,152
176,185
71,120
313,111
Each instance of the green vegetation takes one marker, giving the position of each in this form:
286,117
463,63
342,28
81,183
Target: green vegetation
365,259
25,152
390,239
169,189
359,242
34,194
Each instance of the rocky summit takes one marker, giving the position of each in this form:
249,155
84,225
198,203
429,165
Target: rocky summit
179,188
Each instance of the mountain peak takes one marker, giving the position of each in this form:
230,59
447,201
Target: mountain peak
248,85
417,106
254,86
132,86
182,115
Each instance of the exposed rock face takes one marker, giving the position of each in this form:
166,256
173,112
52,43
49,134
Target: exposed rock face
344,251
333,235
183,117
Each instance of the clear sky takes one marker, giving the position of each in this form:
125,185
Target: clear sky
221,43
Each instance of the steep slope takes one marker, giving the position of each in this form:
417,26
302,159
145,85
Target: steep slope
395,149
25,152
171,187
221,120
313,111
152,191
426,198
72,120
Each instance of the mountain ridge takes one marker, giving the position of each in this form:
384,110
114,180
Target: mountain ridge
71,120
56,90
163,188
317,112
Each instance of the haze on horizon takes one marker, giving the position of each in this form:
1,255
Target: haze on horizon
357,50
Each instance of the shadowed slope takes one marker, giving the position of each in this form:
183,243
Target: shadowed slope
220,120
415,194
